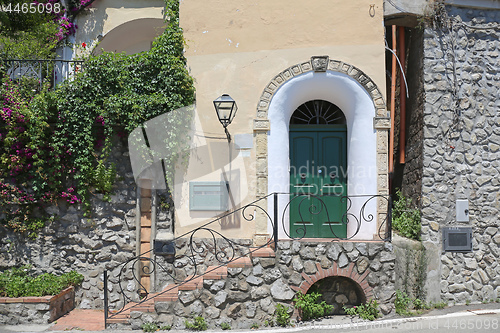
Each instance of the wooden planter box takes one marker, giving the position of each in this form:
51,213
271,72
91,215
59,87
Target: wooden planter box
36,310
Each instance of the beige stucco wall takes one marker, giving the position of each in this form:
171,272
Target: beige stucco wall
238,46
105,15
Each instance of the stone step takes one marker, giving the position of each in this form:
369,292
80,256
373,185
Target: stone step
215,273
144,308
163,298
169,294
243,262
121,318
263,252
192,283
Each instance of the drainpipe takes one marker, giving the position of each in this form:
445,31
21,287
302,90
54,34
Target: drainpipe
402,96
393,107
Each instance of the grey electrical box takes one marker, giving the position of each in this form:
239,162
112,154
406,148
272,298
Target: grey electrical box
462,210
457,239
208,196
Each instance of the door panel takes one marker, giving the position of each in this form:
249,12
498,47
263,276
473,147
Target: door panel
318,165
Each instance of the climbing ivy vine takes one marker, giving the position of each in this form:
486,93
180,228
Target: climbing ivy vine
56,145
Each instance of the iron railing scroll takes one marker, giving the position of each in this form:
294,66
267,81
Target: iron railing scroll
208,242
316,206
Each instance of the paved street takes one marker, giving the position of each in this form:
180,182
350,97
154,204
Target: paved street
458,322
472,318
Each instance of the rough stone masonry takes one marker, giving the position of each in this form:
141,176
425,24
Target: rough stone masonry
461,151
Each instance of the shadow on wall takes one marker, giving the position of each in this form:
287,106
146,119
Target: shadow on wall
131,37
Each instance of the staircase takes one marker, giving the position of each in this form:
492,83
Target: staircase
171,292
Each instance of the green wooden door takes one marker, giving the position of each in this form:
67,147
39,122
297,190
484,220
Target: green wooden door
318,180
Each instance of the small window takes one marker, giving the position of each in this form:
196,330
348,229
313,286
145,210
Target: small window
318,112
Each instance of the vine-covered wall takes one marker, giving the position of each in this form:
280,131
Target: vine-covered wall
56,145
75,242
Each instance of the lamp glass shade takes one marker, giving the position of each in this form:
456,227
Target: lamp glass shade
226,109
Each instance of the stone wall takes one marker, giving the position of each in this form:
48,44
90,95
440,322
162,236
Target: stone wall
347,272
411,263
462,151
88,245
411,184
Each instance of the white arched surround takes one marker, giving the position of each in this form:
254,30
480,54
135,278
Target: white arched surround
357,105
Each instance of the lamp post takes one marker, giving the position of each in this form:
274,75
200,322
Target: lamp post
226,108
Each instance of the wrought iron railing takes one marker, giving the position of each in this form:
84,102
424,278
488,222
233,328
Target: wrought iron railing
48,71
206,240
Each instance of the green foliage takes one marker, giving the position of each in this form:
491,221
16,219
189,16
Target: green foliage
439,305
149,327
17,282
166,328
56,145
255,326
198,324
368,311
405,220
34,34
225,326
406,306
402,303
308,306
26,36
418,304
282,315
36,44
102,178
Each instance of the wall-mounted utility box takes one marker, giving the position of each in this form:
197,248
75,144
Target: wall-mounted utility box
164,248
462,210
457,239
208,196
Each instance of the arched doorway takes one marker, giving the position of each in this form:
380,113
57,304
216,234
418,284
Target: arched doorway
366,116
318,170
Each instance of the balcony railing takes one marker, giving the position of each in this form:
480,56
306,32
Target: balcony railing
42,70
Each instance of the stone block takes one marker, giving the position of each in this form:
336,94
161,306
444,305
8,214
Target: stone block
212,313
254,281
281,291
334,252
310,267
259,292
220,298
234,310
343,260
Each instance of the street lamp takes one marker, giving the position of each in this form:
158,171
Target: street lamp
226,108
